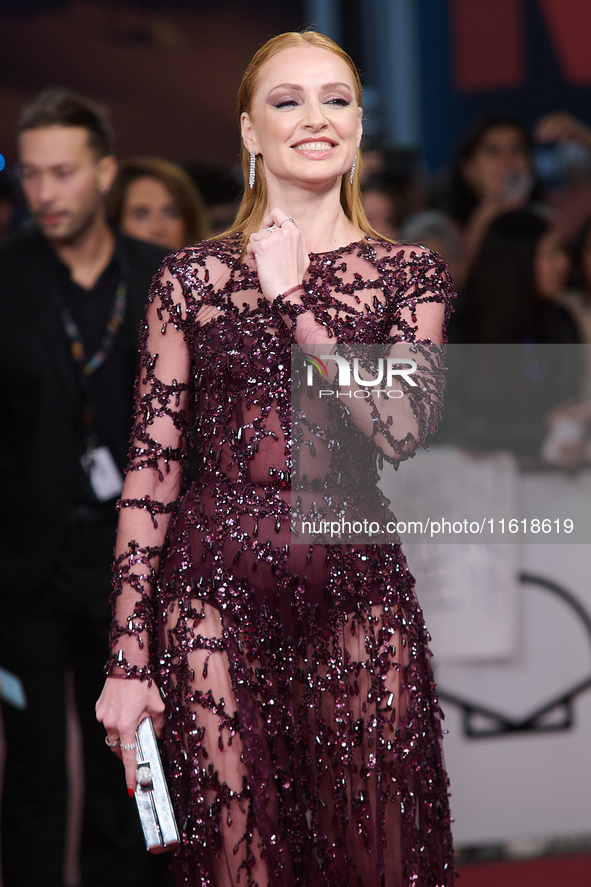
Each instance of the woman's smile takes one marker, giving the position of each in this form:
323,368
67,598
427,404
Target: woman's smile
318,149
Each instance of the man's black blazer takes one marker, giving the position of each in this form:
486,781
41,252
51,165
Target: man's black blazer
40,401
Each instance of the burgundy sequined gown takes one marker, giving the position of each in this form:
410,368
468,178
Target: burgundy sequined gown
303,727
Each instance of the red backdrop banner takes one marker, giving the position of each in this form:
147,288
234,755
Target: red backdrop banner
487,44
569,25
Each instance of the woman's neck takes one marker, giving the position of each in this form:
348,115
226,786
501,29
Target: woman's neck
319,216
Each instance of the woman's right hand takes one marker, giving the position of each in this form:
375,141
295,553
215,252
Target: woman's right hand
122,705
279,250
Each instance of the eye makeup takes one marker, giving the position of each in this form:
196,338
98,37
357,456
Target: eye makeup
294,95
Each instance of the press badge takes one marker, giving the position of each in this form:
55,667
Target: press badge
102,472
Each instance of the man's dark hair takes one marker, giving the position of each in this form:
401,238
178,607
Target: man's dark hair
61,107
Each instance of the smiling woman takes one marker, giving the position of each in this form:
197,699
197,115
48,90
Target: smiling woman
303,728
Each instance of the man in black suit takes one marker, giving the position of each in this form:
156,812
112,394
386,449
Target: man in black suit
72,294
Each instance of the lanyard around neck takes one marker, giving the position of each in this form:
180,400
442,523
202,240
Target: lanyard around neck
89,366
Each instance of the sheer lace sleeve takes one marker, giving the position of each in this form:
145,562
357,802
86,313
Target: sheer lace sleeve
368,384
157,457
400,358
420,303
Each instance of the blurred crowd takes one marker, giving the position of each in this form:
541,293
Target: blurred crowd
479,215
500,177
511,217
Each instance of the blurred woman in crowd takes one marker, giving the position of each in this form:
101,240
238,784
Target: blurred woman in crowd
491,174
507,398
511,292
155,200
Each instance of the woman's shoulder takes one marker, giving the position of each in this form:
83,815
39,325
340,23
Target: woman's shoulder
197,274
409,263
205,267
206,254
402,253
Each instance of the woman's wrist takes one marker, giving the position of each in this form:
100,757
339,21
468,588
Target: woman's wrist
290,304
300,317
117,666
298,288
292,296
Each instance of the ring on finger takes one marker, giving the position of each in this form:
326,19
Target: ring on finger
272,228
128,747
288,219
112,744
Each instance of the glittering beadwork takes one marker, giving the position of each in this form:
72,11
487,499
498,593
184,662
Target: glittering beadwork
303,729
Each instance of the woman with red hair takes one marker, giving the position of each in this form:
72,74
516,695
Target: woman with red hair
301,720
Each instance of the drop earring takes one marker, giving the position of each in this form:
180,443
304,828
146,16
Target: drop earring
352,173
251,171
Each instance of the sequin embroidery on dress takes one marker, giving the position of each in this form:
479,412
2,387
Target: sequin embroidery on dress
303,728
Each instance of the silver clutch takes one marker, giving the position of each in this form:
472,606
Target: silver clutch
151,793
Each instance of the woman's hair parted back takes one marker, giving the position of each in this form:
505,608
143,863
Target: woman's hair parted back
254,201
502,300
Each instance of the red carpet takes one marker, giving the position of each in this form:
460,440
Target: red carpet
556,871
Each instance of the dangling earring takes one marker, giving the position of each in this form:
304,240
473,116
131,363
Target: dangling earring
352,173
251,171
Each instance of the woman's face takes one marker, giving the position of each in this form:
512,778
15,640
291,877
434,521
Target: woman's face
305,120
551,266
499,160
150,213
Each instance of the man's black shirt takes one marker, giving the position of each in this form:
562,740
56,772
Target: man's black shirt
105,394
41,401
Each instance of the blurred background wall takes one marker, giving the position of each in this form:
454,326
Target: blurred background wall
169,70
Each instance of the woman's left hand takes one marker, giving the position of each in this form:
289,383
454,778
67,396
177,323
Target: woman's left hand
280,253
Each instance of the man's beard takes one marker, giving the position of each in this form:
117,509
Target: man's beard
72,228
